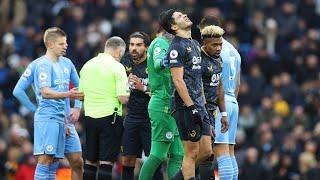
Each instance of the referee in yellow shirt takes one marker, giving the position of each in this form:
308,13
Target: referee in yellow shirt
103,81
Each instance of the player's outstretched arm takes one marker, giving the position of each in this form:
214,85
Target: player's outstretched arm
48,93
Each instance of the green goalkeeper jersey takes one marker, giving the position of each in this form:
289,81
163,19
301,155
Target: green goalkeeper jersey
159,77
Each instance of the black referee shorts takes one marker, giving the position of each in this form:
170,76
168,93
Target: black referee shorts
103,139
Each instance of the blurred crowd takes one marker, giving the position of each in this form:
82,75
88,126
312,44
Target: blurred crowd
279,98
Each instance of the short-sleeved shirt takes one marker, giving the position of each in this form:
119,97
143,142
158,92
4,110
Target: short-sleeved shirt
211,75
27,79
186,53
56,77
102,80
137,107
160,82
231,66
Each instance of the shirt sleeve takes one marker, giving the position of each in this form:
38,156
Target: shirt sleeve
22,85
121,81
43,75
81,81
159,53
74,77
176,55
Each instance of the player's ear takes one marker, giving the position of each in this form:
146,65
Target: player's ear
174,27
49,44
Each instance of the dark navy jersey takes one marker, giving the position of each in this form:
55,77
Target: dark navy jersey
137,107
186,53
211,75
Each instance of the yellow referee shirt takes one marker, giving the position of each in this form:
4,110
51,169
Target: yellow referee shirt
102,80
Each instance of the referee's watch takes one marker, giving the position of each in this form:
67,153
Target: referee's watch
224,114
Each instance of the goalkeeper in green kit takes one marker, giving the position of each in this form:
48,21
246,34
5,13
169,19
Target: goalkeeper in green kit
165,142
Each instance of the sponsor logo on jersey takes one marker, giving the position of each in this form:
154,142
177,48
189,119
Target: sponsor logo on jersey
196,61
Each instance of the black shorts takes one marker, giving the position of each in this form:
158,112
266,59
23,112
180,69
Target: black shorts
211,114
103,139
184,120
136,137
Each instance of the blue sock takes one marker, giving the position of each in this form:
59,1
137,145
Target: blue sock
225,167
235,168
42,172
52,170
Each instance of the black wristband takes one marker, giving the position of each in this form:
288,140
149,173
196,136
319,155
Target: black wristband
192,107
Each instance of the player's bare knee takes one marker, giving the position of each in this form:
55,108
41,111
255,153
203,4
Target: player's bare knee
77,164
75,160
221,149
45,159
205,153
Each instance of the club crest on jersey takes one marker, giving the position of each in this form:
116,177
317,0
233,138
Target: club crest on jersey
210,68
128,69
173,54
169,135
65,70
49,148
189,49
43,76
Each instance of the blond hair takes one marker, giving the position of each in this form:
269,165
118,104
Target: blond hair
211,31
52,34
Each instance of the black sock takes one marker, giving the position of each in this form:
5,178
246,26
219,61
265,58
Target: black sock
89,172
192,178
127,173
206,169
158,174
105,172
178,176
197,173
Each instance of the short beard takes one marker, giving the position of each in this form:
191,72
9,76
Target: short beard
138,59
